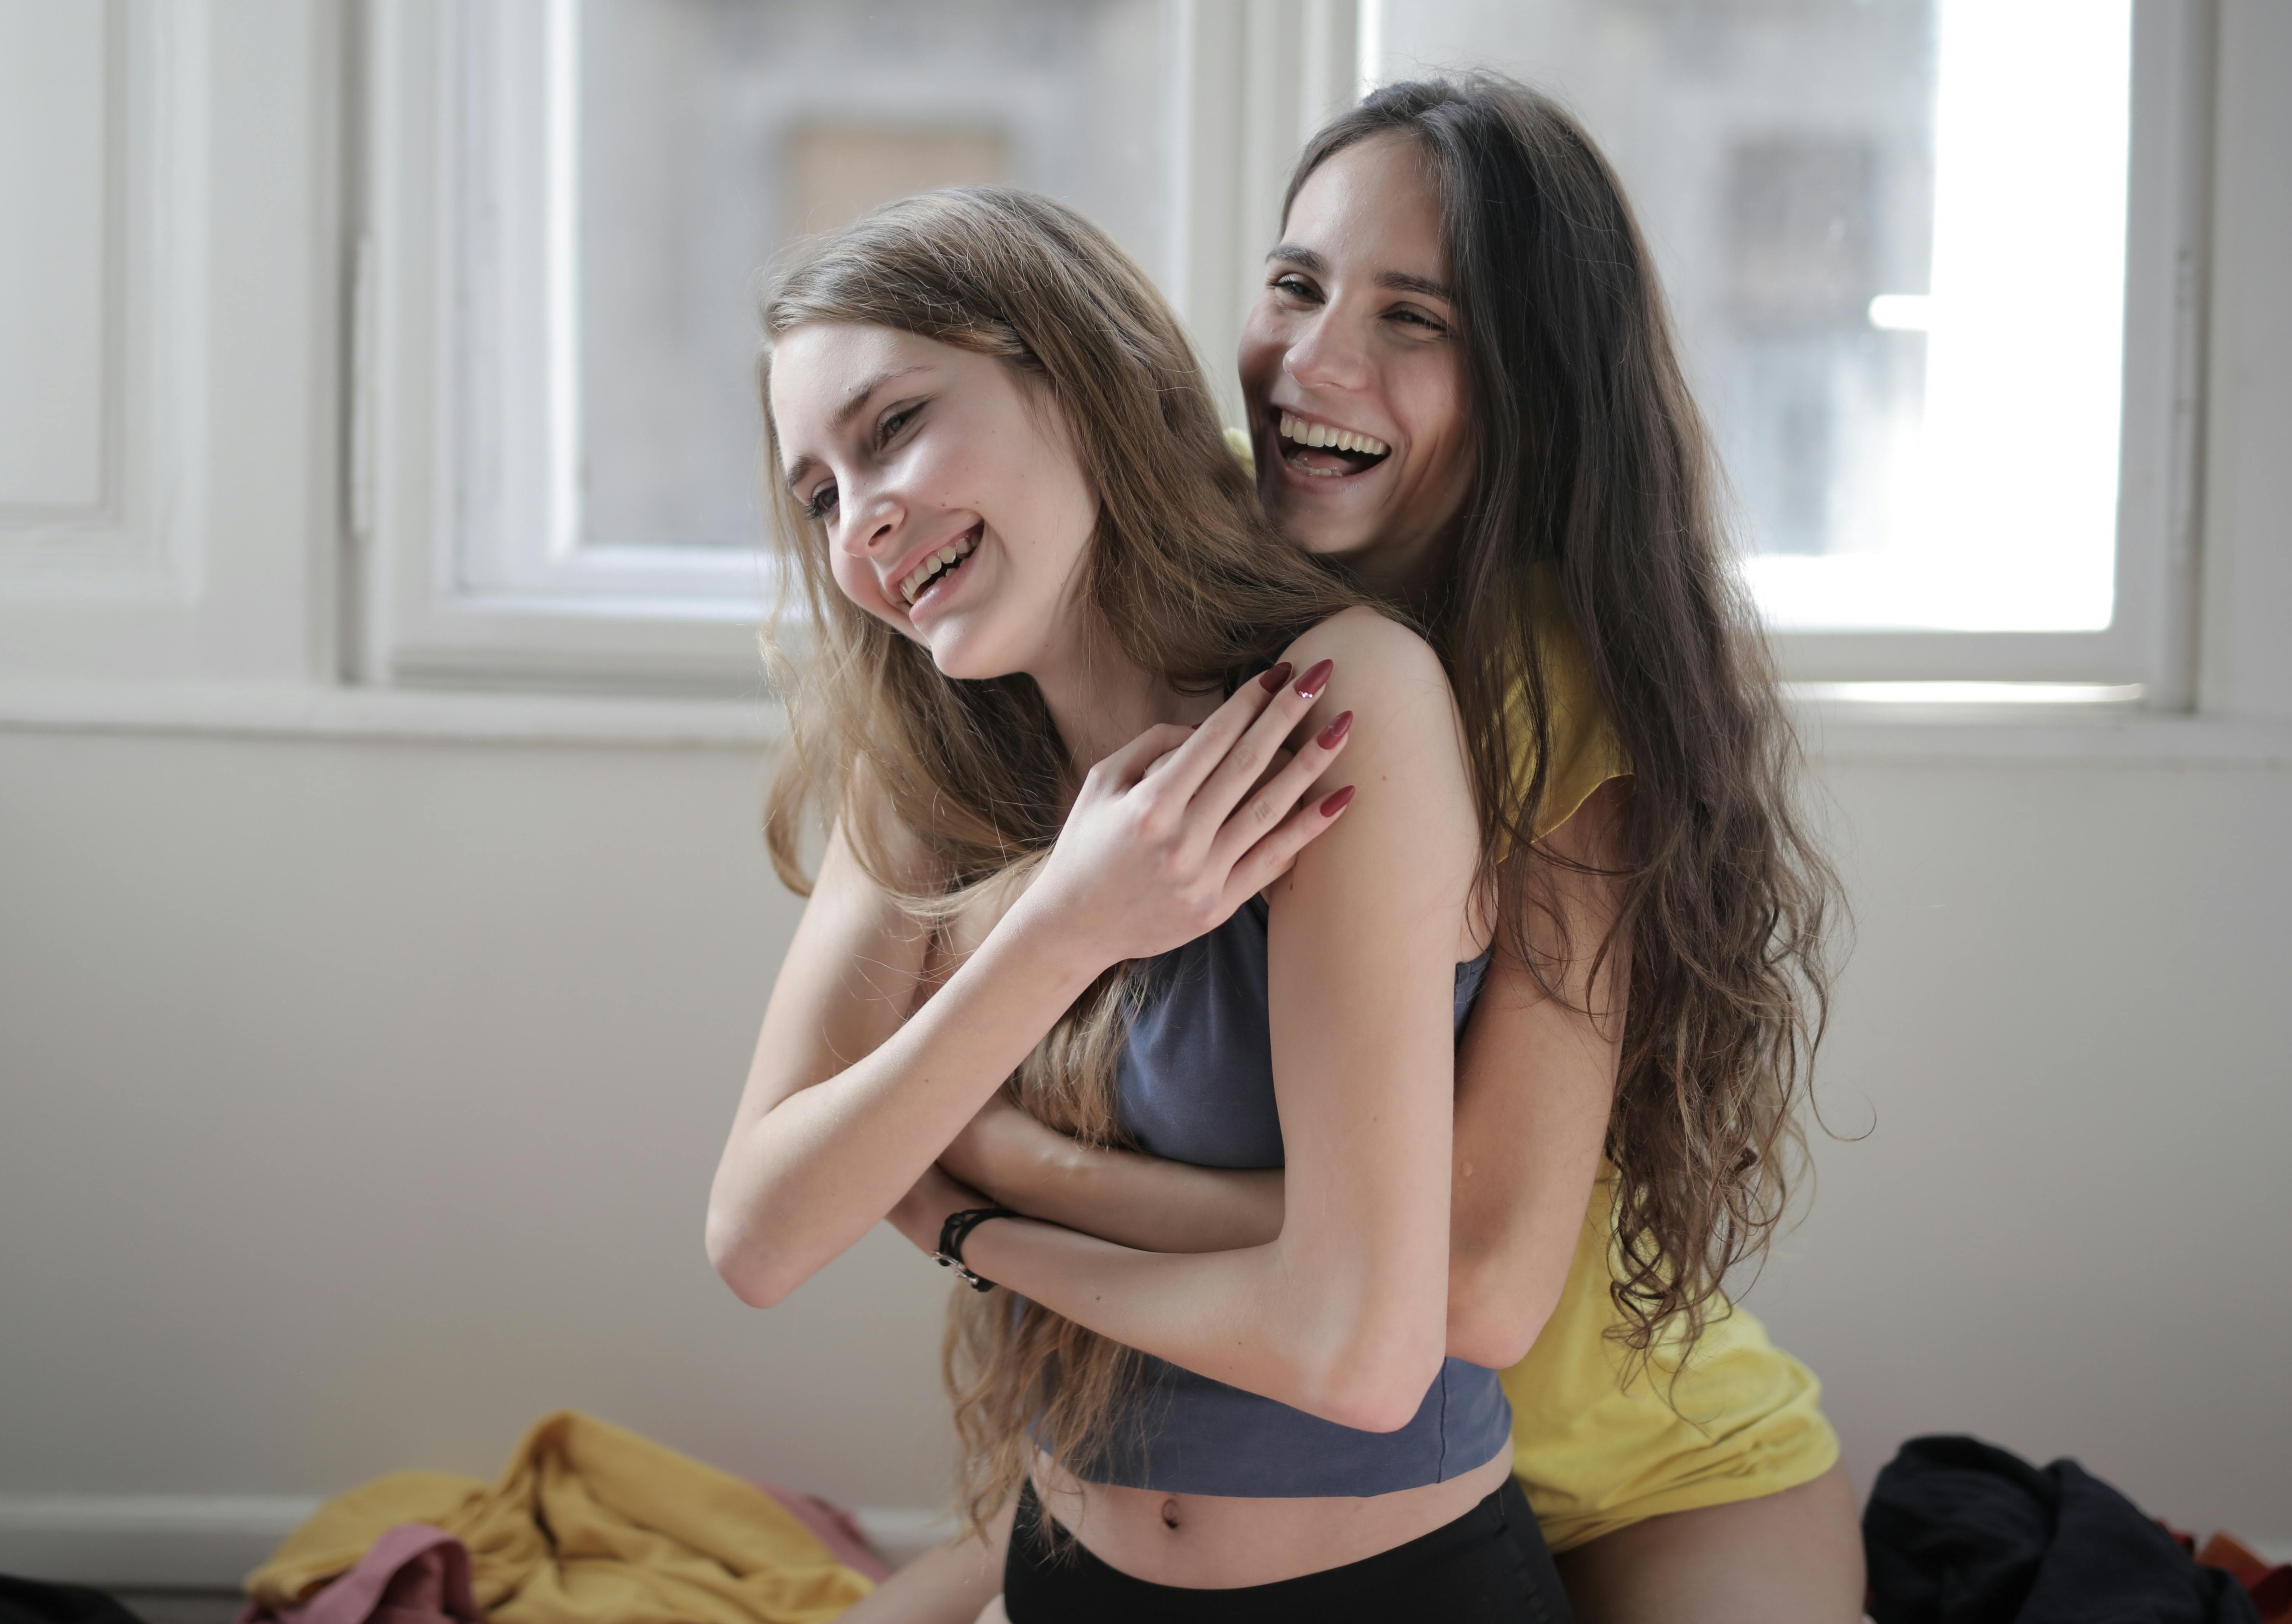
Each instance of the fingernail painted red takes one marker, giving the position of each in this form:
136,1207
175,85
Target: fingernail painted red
1337,802
1274,679
1310,685
1337,729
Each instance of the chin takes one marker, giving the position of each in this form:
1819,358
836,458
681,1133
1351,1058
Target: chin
1305,527
966,659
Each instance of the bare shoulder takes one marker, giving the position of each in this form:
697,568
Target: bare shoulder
1402,859
1368,644
1392,682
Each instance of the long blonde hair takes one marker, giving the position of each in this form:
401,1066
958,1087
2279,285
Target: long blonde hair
1182,572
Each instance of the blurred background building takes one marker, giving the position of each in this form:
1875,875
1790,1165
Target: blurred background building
382,922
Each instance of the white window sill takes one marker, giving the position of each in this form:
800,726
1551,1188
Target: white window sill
1845,730
1834,731
390,715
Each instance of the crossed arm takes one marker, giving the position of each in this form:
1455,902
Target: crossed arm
1340,1312
1536,1078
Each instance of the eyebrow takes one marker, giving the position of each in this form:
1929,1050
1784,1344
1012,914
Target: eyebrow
1398,281
854,403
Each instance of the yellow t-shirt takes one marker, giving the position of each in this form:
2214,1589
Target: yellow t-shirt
1741,1417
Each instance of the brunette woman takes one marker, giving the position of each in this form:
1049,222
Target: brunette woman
1024,542
1463,392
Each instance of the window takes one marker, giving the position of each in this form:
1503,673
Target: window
575,204
1895,237
1931,262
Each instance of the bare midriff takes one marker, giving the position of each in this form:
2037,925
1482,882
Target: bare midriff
1219,1542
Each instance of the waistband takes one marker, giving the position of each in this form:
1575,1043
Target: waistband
1489,1565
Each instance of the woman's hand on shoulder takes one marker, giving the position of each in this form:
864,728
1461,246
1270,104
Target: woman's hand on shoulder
1408,754
1177,829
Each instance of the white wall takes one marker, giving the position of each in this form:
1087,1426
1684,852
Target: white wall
361,1099
358,1099
2062,1036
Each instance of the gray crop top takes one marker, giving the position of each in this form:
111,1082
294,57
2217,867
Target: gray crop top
1197,1085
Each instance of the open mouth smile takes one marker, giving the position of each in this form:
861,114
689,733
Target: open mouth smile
1327,453
937,567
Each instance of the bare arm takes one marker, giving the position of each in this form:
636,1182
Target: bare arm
948,1584
847,1098
1534,1080
1342,1313
854,1089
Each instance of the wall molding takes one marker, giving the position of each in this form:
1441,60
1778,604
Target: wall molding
2007,735
1834,732
210,1541
389,715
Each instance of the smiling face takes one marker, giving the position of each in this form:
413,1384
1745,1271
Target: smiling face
956,507
1354,374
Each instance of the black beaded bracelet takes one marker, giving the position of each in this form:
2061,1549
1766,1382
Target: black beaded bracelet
952,1235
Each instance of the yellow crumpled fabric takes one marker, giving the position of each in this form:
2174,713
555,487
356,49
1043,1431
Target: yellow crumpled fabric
589,1525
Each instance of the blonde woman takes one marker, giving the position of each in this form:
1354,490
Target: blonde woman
1060,648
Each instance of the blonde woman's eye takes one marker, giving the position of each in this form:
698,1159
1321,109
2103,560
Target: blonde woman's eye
896,421
822,502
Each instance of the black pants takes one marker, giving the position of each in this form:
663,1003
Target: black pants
1491,1564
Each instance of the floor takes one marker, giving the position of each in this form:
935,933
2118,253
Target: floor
182,1607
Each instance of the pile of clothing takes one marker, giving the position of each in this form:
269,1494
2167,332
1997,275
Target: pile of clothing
588,1524
1960,1531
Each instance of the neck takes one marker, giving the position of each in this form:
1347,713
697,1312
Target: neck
1099,701
1408,574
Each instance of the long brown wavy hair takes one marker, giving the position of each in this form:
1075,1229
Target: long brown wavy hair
1181,574
1594,480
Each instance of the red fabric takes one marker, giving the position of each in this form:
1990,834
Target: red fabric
2268,1586
414,1574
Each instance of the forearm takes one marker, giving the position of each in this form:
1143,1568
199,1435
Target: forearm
948,1584
803,1179
1119,1195
1359,1348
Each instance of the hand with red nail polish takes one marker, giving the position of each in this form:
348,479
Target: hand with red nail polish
1176,831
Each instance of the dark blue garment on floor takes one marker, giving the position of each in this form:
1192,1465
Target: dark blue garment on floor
1960,1531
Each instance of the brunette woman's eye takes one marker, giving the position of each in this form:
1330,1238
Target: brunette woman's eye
1293,285
1418,318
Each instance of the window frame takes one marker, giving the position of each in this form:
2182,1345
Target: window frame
462,588
2151,642
1242,96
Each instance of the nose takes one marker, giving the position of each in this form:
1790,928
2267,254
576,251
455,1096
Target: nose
874,523
1327,354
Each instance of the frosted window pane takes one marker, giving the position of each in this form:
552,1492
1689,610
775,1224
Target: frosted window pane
1893,235
714,134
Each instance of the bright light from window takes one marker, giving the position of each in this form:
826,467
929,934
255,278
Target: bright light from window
2007,519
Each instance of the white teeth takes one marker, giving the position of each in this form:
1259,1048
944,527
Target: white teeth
1338,439
912,588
